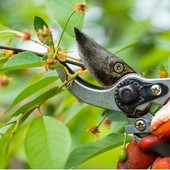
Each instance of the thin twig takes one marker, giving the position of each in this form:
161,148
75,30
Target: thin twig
77,59
39,110
19,50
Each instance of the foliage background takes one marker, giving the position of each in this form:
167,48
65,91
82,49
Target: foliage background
112,23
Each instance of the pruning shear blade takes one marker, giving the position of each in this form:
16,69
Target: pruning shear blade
102,64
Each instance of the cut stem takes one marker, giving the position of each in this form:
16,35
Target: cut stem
105,115
124,142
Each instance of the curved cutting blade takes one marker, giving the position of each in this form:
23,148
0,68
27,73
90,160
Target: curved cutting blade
102,64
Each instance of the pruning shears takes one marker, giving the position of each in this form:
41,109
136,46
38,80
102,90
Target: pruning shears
123,89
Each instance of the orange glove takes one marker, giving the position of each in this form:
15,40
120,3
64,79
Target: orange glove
160,125
138,157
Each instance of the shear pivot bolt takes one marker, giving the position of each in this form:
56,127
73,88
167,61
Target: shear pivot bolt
156,90
128,94
140,125
118,67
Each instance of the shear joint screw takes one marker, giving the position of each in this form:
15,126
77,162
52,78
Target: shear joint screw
140,125
156,90
118,67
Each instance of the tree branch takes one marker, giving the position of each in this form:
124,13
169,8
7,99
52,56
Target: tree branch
18,50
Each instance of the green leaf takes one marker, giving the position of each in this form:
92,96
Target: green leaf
41,98
39,23
22,61
120,49
131,45
154,58
47,143
43,32
89,150
60,10
33,89
119,120
3,61
4,144
17,143
5,139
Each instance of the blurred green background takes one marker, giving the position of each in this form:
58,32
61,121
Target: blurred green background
112,23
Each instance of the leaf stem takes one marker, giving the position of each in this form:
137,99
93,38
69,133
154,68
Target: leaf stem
105,113
15,129
20,34
62,33
39,110
124,141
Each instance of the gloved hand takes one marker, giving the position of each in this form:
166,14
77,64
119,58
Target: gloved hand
137,156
